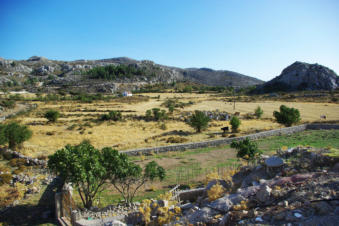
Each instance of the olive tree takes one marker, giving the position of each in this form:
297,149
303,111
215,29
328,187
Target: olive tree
14,134
199,121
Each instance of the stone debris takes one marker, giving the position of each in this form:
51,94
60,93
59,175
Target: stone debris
295,194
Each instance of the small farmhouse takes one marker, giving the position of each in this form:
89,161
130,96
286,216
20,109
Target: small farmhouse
127,94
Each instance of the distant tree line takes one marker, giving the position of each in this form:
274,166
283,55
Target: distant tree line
112,72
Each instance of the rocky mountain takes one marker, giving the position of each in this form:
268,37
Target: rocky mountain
53,74
302,76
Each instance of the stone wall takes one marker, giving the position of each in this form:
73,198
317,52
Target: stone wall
224,141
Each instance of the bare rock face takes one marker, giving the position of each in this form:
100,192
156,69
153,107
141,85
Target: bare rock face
302,76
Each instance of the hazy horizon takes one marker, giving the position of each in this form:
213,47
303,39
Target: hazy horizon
255,38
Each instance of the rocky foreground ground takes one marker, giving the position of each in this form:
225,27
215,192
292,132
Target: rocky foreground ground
303,190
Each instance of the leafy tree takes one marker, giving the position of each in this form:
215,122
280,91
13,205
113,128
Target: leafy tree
112,115
52,115
235,123
287,116
84,167
247,149
199,121
128,177
14,134
156,114
258,112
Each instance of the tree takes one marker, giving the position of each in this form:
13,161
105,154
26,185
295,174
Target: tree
247,149
52,115
14,134
258,112
235,123
287,116
199,121
84,167
128,177
112,115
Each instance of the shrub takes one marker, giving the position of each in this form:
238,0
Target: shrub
16,162
163,126
287,116
5,178
235,123
7,103
156,114
215,192
247,149
111,116
199,121
258,112
52,115
176,140
14,134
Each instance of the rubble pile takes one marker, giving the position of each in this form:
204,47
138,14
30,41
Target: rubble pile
299,186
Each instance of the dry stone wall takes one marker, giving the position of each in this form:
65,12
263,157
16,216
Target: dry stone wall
218,142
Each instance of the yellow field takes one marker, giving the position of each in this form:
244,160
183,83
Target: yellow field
133,133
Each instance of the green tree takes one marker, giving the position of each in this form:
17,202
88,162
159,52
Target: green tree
235,123
247,149
14,134
258,112
85,167
52,115
128,177
112,115
287,116
199,121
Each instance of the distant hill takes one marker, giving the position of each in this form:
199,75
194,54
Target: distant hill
302,76
109,75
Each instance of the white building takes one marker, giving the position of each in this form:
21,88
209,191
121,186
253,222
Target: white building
127,94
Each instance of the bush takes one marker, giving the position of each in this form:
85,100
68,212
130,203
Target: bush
7,103
52,115
247,149
16,162
235,123
5,178
111,116
287,116
176,140
258,112
199,121
14,134
156,114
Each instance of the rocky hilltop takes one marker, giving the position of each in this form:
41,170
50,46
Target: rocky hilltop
302,76
52,74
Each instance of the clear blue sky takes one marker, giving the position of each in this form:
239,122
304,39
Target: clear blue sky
257,38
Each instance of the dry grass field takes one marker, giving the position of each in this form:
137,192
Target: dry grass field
78,121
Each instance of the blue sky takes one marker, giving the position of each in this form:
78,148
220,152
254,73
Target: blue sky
254,37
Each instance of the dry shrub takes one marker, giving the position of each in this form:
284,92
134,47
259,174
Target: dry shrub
17,162
212,176
5,178
215,192
8,195
176,140
20,169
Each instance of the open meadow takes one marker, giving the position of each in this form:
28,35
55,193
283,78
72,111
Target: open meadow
79,120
